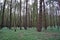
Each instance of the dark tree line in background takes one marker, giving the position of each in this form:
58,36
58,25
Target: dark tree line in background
21,14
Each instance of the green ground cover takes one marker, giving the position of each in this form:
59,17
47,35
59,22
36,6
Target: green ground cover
29,34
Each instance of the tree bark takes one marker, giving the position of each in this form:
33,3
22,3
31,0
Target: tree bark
26,15
45,22
39,26
20,17
2,24
10,15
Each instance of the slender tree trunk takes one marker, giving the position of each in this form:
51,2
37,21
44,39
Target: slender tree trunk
36,9
58,22
2,24
10,15
59,15
31,19
53,14
15,17
26,15
56,18
0,14
20,16
45,22
39,26
28,18
50,16
7,16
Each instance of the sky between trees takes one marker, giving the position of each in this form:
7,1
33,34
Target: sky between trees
31,1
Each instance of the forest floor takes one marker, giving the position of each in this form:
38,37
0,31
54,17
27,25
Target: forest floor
30,34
